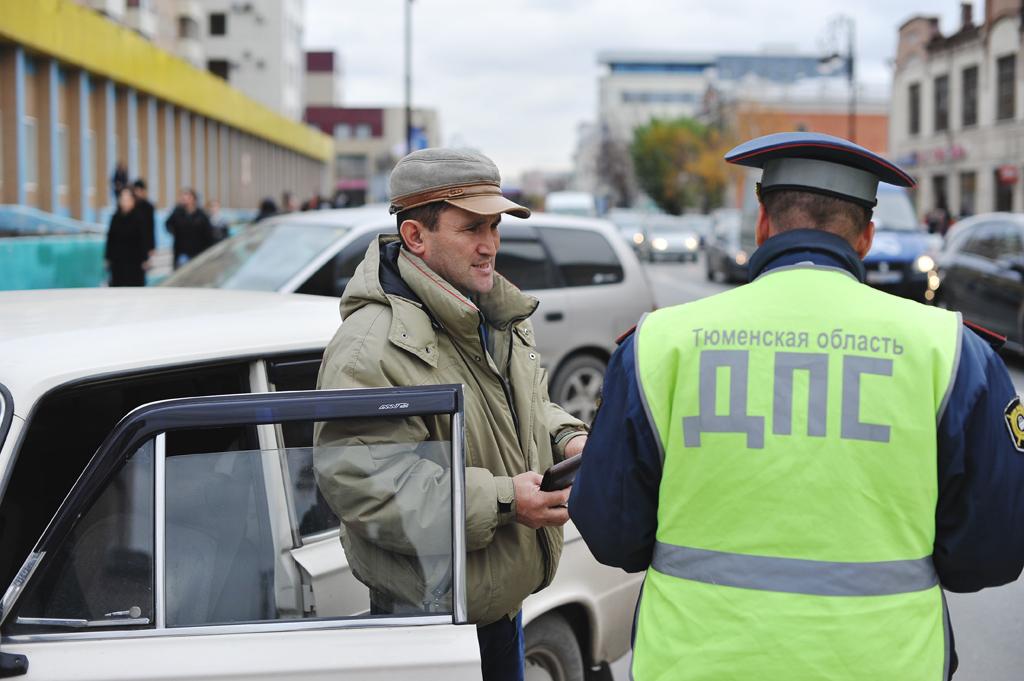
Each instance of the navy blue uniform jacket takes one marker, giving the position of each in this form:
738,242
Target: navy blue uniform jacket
979,520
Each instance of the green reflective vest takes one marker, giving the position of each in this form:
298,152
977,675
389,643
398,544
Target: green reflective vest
796,512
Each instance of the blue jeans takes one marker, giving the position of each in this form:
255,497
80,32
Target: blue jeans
502,649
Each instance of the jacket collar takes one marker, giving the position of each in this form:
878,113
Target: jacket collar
815,246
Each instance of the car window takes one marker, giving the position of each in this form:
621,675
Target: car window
103,573
894,210
583,257
263,257
65,429
310,511
332,278
525,263
227,559
983,241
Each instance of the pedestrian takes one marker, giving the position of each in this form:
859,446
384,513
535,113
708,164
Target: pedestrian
218,224
460,322
267,209
939,218
190,227
118,180
127,247
802,464
147,215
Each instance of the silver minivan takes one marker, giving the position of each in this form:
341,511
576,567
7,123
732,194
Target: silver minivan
590,285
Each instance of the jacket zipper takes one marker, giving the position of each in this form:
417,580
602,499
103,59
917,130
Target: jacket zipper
501,378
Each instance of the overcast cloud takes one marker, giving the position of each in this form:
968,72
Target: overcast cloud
514,78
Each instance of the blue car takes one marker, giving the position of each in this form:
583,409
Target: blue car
902,257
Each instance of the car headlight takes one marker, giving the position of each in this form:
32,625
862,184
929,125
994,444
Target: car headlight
924,263
638,238
659,244
741,257
691,243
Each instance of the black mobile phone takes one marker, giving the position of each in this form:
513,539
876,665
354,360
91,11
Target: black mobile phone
561,475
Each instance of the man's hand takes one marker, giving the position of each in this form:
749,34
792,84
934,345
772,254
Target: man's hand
575,446
535,508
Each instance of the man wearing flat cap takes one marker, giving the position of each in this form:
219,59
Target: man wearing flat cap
801,465
426,307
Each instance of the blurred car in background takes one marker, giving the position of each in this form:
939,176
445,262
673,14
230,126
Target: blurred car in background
582,204
590,285
902,257
981,273
725,253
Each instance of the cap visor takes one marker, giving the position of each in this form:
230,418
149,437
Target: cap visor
490,204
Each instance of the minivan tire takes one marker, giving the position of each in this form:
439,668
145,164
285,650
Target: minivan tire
552,650
577,386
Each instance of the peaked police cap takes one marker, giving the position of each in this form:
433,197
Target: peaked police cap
823,164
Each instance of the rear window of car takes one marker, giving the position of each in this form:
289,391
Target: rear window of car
262,258
583,257
524,262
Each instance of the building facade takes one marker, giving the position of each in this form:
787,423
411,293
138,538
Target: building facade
957,111
80,93
323,81
637,87
367,144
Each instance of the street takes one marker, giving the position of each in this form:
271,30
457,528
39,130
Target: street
987,626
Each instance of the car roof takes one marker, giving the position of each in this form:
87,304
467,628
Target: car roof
53,337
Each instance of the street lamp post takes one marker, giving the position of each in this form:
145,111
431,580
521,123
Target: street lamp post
408,76
851,76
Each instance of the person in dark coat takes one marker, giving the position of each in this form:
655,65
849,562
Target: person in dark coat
127,246
191,228
267,209
119,179
147,213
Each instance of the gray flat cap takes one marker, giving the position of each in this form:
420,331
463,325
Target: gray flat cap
460,177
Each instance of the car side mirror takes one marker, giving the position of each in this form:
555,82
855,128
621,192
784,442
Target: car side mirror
1013,264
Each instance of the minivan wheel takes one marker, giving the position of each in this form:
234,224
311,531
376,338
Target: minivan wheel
577,386
552,652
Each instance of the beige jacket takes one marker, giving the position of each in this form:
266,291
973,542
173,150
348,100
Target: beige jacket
405,326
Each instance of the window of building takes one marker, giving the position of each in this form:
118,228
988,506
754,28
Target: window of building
31,153
969,99
218,23
219,68
968,188
351,166
342,131
1004,192
941,96
1005,91
914,108
188,28
364,131
940,194
64,158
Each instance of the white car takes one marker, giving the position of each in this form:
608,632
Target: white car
589,284
159,516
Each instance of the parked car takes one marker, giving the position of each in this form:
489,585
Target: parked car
902,257
726,252
159,514
981,273
590,286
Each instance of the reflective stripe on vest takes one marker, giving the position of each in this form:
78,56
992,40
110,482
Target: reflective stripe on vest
795,575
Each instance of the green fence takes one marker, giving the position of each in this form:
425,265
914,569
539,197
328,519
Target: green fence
59,261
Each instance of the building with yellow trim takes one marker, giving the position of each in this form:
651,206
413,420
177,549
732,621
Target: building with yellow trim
79,92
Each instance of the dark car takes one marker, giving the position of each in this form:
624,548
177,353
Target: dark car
902,256
981,270
727,251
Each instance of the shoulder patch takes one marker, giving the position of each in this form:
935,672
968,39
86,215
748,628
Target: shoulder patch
625,334
1014,414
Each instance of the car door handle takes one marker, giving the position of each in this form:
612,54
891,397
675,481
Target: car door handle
554,317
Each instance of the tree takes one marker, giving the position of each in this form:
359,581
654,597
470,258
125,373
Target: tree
679,164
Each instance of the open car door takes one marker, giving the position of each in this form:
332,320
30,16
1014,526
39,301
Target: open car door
168,558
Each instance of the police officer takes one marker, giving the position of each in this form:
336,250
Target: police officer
802,464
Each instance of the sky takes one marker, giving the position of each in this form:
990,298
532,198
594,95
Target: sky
514,78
